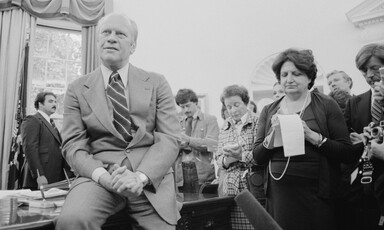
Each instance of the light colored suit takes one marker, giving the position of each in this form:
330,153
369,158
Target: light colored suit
90,139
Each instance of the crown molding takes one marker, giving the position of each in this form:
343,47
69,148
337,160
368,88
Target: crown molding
367,13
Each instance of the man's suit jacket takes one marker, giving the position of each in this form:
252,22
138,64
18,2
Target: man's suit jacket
358,111
42,147
90,139
358,116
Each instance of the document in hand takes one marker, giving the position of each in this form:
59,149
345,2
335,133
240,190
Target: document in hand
289,133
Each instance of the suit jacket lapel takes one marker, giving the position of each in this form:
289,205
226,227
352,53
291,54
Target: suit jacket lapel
364,107
140,92
54,132
98,101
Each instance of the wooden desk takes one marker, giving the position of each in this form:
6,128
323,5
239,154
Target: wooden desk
205,211
199,211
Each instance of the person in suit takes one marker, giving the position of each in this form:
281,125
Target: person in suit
194,148
41,143
363,212
121,136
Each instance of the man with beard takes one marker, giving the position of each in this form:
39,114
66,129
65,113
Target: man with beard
42,145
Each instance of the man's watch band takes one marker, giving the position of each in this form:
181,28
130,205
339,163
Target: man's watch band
143,178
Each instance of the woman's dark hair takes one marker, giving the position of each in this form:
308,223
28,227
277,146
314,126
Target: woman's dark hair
302,59
366,52
235,90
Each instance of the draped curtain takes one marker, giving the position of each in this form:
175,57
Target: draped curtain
14,27
89,58
17,21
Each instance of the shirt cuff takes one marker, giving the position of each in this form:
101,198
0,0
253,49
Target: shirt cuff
97,173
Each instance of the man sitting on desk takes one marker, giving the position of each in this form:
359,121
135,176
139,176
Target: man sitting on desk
41,143
121,136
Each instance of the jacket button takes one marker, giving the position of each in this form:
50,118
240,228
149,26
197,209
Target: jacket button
127,151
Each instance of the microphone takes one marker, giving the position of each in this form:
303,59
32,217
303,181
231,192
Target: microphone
256,214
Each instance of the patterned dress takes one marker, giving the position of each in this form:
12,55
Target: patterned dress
233,179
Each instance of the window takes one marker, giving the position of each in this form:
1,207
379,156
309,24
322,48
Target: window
56,61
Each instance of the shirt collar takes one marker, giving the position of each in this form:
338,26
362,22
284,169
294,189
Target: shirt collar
195,116
46,117
123,72
243,120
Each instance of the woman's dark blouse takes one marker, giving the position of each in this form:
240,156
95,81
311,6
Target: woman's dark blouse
324,116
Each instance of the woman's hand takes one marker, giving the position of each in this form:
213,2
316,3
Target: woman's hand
233,150
310,135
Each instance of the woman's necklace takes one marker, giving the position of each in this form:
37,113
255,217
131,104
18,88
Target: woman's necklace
290,110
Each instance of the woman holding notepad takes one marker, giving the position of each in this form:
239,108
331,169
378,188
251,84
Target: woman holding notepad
301,187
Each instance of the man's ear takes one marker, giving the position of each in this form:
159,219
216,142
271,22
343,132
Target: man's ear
133,47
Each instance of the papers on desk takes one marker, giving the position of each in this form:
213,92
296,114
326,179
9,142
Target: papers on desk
54,197
35,195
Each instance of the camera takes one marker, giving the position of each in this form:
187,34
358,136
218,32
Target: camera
377,132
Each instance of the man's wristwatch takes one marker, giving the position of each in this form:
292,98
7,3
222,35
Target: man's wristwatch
143,178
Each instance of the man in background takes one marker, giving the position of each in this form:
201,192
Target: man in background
339,80
41,143
201,130
340,85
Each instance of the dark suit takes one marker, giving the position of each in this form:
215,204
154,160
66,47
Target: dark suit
42,147
362,213
90,141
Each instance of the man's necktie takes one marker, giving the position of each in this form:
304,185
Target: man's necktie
188,126
53,123
121,118
376,112
55,128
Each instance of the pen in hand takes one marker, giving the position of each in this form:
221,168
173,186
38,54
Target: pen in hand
41,186
67,178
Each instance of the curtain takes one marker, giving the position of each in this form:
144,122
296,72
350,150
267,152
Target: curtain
15,25
84,12
90,59
20,15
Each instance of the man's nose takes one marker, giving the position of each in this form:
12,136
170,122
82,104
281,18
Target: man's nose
112,37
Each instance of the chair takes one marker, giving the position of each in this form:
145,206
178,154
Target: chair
255,212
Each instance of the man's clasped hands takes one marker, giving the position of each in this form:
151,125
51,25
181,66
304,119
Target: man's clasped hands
121,180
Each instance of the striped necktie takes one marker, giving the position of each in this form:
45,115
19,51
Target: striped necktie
121,117
376,112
